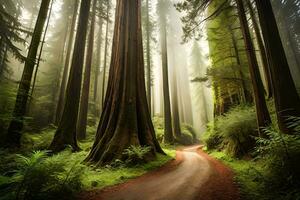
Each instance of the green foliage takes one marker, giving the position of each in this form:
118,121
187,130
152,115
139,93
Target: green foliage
136,154
158,123
281,154
39,176
233,131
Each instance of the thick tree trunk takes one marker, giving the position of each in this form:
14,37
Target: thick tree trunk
148,56
84,103
62,90
168,135
125,119
16,124
262,49
263,117
98,61
287,101
66,132
105,56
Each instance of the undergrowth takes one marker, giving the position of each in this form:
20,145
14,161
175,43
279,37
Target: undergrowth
270,170
39,175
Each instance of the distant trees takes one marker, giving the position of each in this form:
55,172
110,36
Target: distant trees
11,30
162,7
274,61
125,119
84,101
16,125
66,133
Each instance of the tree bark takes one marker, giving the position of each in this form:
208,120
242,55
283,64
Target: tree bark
125,118
175,111
66,132
287,101
246,94
263,117
148,53
62,90
98,62
168,135
84,103
262,49
105,55
16,125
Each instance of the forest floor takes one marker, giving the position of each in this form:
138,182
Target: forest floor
192,175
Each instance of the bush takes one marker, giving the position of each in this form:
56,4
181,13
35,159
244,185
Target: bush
233,131
281,153
212,138
135,155
158,123
38,176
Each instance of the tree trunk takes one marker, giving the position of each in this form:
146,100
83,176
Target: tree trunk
262,49
66,131
84,103
263,117
125,118
287,101
62,89
40,54
105,56
16,124
175,112
148,56
246,94
98,62
168,135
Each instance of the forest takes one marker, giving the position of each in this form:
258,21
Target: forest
150,99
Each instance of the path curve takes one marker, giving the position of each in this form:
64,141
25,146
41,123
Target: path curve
192,176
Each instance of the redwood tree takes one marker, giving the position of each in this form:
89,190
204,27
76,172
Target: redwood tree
84,103
16,125
287,101
125,118
66,131
162,7
262,113
61,97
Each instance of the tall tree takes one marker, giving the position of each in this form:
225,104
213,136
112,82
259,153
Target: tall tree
287,101
262,49
98,56
162,7
262,113
125,119
62,90
84,103
105,53
17,122
148,53
66,131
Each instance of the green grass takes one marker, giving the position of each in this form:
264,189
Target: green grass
248,175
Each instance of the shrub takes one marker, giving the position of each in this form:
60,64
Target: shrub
136,154
233,131
281,153
212,138
38,176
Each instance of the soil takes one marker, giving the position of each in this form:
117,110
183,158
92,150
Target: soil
193,175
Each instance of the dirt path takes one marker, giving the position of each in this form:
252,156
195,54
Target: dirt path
193,175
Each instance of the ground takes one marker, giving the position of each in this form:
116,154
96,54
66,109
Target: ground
192,175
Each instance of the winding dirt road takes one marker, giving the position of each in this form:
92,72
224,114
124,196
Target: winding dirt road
193,175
